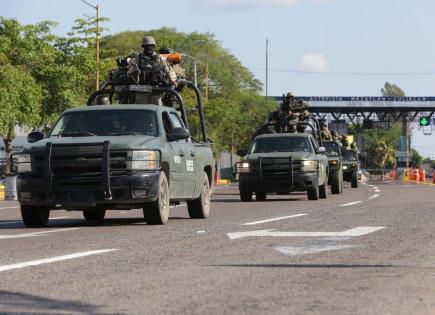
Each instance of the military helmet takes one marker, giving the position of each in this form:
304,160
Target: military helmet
290,96
148,40
334,133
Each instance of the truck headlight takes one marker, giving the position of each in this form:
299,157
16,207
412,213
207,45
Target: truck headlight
23,162
243,167
333,162
309,166
345,167
145,160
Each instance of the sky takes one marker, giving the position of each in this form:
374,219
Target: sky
316,47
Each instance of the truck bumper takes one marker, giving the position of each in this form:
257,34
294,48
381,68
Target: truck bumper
301,182
127,190
347,174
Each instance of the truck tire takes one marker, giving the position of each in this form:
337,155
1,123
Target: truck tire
199,208
313,193
34,216
94,215
354,180
260,196
157,212
335,183
245,194
323,190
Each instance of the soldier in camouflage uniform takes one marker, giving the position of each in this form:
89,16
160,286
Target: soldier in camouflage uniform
326,134
154,71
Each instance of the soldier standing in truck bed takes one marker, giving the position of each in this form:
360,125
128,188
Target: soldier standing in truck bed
154,71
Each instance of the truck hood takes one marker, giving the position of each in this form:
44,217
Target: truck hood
294,155
116,142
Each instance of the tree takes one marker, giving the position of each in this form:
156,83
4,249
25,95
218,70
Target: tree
391,89
20,99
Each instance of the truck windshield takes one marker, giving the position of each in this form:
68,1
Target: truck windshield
350,155
331,148
281,144
106,123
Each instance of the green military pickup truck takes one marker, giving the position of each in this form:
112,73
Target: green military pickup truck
282,163
351,166
109,157
335,161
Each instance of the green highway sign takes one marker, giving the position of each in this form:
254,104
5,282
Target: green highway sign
424,121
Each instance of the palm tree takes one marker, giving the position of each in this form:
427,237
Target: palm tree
386,152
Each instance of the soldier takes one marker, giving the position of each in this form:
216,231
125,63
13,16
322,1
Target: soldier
326,134
154,71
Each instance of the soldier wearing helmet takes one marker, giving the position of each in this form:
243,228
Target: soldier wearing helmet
154,71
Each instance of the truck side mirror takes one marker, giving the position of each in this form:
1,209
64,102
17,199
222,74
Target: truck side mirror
178,133
35,136
241,152
321,150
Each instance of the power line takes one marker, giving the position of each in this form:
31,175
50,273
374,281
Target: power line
348,73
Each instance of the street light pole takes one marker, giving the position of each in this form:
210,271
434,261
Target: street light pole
97,44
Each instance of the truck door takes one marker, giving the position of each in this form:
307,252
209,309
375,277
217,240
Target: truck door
188,159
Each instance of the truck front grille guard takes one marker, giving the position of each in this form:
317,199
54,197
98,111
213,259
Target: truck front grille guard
105,169
260,168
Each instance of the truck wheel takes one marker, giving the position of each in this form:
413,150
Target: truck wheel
313,193
34,216
200,208
94,215
260,196
335,183
354,180
157,212
245,194
323,190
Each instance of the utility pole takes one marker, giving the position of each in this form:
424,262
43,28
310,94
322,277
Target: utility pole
195,76
206,81
267,66
97,44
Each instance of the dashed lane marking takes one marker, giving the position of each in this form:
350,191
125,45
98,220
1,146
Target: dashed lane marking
20,221
275,219
374,196
14,207
35,234
358,231
350,203
54,259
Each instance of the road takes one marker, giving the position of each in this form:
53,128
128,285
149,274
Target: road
370,250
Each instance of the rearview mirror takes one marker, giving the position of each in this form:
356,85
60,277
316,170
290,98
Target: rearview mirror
321,150
178,133
241,152
35,136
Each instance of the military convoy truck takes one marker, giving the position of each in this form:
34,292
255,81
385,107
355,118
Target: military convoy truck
335,161
124,156
284,162
351,166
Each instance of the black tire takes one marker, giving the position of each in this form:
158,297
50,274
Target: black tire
260,196
199,208
157,212
34,216
323,190
245,194
354,180
335,183
94,215
313,193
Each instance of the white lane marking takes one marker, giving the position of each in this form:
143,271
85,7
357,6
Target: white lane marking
275,219
54,259
376,190
200,232
310,249
350,203
20,221
358,231
375,187
34,234
123,212
15,207
374,196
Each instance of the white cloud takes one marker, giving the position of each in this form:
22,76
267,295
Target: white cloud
313,62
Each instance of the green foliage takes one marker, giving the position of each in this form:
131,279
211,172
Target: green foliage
381,146
391,89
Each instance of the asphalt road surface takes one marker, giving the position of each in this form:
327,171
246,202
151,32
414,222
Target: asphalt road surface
370,250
